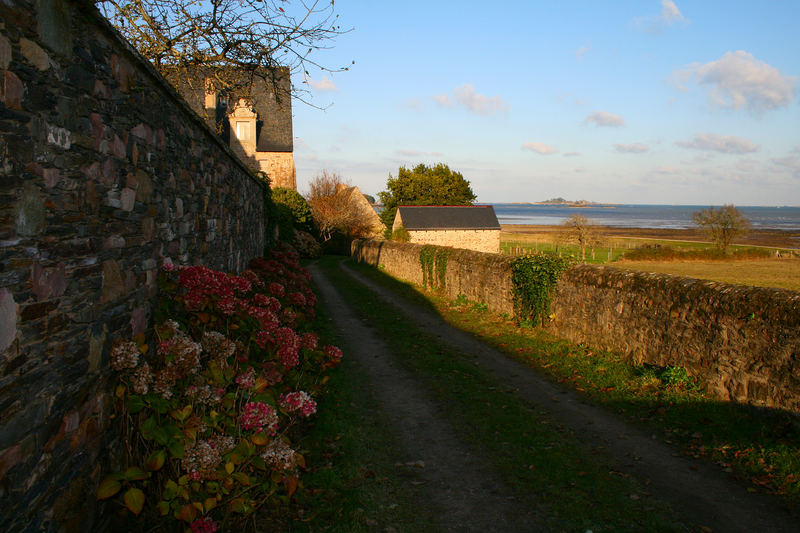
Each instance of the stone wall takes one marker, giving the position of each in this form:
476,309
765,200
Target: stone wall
743,342
471,239
105,173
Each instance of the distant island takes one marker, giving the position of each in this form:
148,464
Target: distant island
572,203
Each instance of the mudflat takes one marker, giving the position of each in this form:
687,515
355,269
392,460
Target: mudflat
757,237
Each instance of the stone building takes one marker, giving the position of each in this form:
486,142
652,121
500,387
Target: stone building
258,129
355,200
460,226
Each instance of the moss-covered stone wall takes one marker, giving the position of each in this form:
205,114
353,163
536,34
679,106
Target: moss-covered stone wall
105,173
743,342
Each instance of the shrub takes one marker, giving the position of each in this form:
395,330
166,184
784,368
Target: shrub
533,278
210,412
297,206
401,234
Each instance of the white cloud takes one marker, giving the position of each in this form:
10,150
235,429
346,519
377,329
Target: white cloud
669,15
324,85
738,79
479,103
718,143
443,100
581,51
601,118
412,103
665,169
571,154
790,163
633,148
539,148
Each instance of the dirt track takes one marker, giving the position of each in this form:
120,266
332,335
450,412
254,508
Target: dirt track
472,498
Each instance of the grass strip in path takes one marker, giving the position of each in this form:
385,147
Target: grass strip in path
669,403
352,484
576,490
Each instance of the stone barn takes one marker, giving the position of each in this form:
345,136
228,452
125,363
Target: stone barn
473,227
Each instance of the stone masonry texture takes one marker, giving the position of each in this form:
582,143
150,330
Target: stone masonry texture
480,240
105,174
743,342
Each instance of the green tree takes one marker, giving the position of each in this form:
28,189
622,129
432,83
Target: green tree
424,185
297,206
721,224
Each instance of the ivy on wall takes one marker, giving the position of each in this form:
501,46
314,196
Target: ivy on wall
433,260
533,278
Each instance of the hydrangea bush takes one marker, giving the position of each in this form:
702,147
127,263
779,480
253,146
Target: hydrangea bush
209,407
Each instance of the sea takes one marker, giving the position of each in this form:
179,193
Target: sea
641,216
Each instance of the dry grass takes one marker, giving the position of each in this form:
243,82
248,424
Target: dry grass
780,273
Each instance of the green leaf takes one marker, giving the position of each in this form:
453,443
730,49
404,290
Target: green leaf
182,414
135,473
163,508
161,436
108,487
155,461
148,428
159,404
135,404
134,500
176,448
241,477
187,513
170,490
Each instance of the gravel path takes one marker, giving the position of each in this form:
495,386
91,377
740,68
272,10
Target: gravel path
473,498
468,496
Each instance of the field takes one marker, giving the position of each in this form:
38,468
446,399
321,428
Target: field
769,258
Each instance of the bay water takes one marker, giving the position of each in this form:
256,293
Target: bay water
641,216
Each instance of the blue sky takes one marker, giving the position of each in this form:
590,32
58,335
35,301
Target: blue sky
647,101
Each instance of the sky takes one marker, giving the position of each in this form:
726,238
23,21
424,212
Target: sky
644,102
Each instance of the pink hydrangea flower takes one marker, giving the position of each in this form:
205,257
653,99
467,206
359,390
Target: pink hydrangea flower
333,353
247,379
203,525
297,299
276,289
298,402
258,416
309,341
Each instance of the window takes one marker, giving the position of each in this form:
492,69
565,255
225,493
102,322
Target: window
242,130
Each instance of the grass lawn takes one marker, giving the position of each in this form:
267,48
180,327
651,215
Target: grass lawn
780,273
783,273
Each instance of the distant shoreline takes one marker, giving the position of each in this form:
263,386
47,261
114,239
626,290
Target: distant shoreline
568,204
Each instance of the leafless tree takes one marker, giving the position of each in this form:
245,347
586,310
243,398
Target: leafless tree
721,224
231,41
333,209
578,229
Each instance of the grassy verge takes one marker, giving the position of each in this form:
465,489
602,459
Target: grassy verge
783,274
570,487
761,445
352,483
616,249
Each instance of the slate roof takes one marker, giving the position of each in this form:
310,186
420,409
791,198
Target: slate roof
443,217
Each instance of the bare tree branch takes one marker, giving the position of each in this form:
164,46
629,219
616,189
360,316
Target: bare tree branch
236,40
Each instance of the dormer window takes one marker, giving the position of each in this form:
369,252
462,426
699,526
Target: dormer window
243,130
